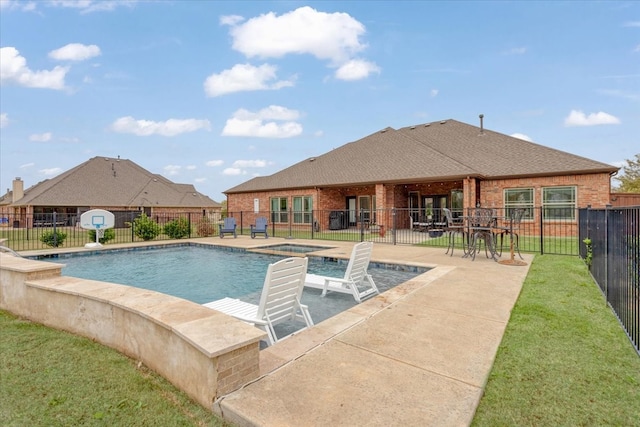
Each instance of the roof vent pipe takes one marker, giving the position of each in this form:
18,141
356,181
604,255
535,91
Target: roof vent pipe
481,124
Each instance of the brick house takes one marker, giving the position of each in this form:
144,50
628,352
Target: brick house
421,169
118,185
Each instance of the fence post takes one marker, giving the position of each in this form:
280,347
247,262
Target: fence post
606,251
541,231
55,234
189,221
132,226
290,236
393,225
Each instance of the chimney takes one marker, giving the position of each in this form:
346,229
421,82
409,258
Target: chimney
18,189
481,124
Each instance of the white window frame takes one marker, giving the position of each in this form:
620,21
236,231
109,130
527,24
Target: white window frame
302,209
519,203
556,210
279,210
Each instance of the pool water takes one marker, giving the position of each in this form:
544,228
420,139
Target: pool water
297,249
203,274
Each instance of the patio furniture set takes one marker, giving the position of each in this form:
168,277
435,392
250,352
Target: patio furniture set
482,228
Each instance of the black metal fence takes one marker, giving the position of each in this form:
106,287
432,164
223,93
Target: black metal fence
610,244
44,231
541,230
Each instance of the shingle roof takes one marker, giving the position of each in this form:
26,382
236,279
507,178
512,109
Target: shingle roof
444,150
102,181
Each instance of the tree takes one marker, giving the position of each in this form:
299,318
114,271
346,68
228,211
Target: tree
630,178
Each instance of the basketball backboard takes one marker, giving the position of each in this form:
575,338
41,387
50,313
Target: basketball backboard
97,219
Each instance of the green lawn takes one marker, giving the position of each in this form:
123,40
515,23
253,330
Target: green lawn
564,359
53,378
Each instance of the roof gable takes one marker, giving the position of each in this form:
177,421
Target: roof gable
442,150
103,181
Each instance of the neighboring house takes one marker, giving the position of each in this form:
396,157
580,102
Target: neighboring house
423,168
114,184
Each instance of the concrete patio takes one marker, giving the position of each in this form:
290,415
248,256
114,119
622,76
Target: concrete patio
417,355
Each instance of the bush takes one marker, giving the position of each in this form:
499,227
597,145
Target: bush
178,228
53,238
206,228
145,228
109,234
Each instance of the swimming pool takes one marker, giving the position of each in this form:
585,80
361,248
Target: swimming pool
202,273
296,249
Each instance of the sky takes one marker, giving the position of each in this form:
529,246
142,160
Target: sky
214,93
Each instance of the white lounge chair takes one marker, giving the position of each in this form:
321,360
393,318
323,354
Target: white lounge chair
280,300
356,280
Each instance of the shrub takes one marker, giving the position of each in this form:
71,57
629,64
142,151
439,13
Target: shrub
53,238
206,228
109,234
145,228
178,228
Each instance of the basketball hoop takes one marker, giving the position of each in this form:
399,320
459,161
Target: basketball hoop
98,220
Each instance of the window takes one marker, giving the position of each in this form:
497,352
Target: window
559,203
519,198
279,208
457,202
302,209
365,208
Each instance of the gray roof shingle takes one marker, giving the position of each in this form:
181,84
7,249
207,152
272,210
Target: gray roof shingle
444,150
103,181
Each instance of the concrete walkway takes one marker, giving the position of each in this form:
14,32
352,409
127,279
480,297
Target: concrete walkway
418,355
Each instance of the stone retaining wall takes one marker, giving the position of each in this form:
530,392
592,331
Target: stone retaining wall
203,352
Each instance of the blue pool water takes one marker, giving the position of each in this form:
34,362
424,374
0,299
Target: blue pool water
202,274
298,249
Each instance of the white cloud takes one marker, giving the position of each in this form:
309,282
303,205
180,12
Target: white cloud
249,163
25,6
200,180
213,163
637,49
230,19
191,167
88,6
13,68
578,118
75,52
333,37
27,165
247,123
4,120
522,136
233,171
50,171
41,137
632,24
356,69
171,127
620,94
172,169
434,93
244,77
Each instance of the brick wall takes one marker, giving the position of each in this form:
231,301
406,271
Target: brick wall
592,189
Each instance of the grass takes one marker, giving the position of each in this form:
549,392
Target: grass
564,359
53,378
